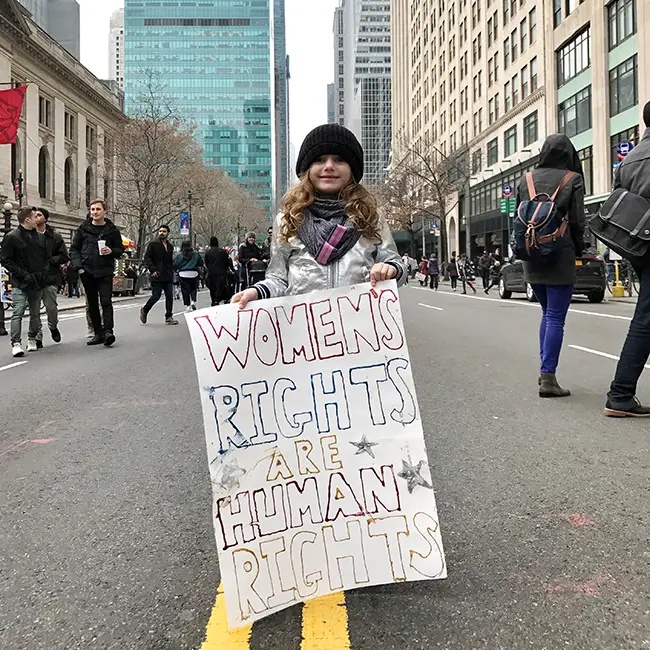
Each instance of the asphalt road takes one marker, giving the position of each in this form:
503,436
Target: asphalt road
105,528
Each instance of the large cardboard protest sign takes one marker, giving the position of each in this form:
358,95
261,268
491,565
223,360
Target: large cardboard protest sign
316,451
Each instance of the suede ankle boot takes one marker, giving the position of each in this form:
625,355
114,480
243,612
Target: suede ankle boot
548,386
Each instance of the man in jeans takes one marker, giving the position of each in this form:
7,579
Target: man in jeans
24,255
57,254
634,176
95,247
159,258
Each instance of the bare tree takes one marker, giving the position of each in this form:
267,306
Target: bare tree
425,184
156,155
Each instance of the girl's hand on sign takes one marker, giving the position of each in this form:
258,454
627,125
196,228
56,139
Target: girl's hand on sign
244,297
381,272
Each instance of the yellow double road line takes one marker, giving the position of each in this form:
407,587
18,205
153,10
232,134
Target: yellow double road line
324,626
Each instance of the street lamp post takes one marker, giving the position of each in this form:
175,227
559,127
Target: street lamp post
189,210
6,211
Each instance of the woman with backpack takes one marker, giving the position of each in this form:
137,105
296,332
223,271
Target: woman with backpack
550,257
188,263
434,272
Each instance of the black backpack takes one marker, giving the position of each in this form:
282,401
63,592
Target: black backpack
539,227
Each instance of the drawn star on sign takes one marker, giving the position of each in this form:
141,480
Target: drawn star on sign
364,446
230,476
411,474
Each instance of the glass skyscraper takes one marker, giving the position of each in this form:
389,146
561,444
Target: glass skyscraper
224,66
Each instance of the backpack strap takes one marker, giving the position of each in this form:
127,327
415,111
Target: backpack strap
532,192
567,177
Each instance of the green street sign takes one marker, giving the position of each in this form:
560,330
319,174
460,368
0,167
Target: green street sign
507,205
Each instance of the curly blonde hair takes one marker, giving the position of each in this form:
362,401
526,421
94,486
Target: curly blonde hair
360,208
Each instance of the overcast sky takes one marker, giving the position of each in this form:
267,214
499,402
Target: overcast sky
309,45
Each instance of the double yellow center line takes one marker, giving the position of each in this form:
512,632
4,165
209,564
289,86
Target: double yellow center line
324,626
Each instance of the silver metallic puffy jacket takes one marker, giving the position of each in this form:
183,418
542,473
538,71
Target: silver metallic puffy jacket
293,269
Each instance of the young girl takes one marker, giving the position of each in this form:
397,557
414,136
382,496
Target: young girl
187,263
329,233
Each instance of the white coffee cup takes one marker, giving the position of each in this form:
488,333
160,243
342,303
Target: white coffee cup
101,244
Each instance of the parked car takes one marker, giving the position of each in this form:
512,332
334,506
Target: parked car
591,279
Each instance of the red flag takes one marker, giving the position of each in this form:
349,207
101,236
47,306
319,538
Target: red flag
11,105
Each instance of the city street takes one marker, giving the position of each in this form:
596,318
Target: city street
106,537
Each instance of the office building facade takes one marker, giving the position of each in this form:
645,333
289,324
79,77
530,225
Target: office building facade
497,77
331,98
223,66
116,49
60,19
362,71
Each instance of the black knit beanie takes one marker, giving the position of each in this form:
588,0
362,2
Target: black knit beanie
333,140
646,114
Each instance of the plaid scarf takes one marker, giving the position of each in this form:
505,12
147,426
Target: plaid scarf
326,232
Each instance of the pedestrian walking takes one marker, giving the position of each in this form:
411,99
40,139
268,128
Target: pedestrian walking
433,271
634,176
552,279
57,254
452,269
329,233
494,270
484,264
159,259
24,256
249,252
187,263
219,271
466,273
266,246
95,247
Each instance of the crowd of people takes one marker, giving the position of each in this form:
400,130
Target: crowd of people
329,234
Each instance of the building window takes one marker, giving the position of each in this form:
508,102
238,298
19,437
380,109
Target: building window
530,129
506,12
532,25
622,21
515,90
506,53
587,159
524,83
493,152
90,137
506,95
491,118
533,74
574,114
44,173
70,126
90,185
557,12
631,135
574,57
477,163
514,45
523,35
68,176
45,112
623,87
510,141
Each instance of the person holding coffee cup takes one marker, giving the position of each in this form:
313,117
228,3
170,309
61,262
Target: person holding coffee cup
95,247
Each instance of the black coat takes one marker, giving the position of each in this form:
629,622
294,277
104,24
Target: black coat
24,255
84,252
160,260
57,254
634,173
247,252
558,156
219,266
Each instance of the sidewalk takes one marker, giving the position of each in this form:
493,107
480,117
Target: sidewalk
69,304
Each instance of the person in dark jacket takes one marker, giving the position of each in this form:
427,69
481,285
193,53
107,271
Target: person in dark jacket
95,247
248,252
433,270
633,175
58,256
553,281
495,261
452,269
219,269
188,262
159,258
24,256
484,264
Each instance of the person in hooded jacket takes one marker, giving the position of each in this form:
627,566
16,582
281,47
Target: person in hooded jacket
433,271
96,268
553,281
219,268
634,176
188,262
249,251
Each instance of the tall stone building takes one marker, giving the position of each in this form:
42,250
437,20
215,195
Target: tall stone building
116,49
497,76
64,147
